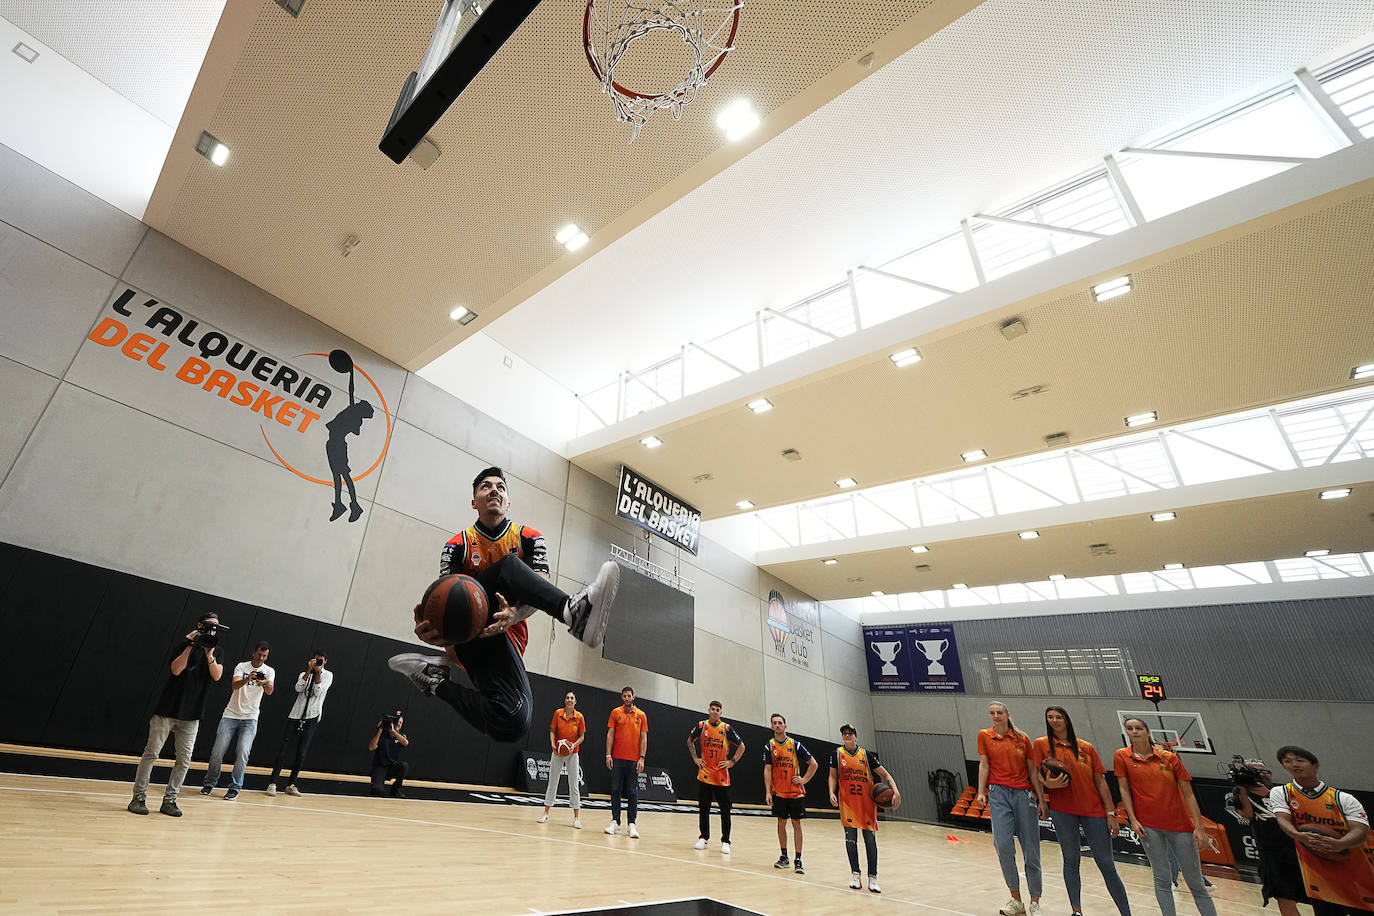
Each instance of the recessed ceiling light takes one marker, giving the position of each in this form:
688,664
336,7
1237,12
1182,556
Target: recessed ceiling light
651,442
878,594
977,454
25,53
463,315
830,562
566,233
1173,565
903,358
577,241
737,119
920,548
1142,419
744,504
1028,535
1341,493
844,483
211,148
960,585
1056,577
1163,517
1316,553
762,405
1112,288
1361,372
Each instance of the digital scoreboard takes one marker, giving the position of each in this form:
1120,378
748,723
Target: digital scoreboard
1151,688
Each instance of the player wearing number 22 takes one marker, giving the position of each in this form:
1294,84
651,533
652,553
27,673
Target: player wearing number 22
566,734
853,773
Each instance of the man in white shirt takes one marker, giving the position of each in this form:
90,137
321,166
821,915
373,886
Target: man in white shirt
252,679
311,686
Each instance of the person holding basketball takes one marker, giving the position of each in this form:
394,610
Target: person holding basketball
853,773
710,744
1157,793
1078,799
1010,787
784,788
510,562
566,734
1330,828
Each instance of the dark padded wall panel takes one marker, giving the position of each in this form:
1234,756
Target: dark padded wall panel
651,627
97,646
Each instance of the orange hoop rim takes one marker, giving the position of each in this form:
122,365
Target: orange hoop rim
601,77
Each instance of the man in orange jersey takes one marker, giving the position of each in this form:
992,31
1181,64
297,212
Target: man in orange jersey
567,731
627,744
1330,828
709,744
511,563
853,773
784,786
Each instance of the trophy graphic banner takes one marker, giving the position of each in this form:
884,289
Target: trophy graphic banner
913,658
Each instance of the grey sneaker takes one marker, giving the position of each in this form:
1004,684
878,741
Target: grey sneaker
589,610
271,790
293,791
169,807
139,805
426,672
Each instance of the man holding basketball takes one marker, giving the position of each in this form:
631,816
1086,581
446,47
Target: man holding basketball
511,564
854,772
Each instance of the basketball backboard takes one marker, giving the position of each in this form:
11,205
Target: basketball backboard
1183,732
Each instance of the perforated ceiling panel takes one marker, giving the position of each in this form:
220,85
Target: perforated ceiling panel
1014,95
1277,314
530,145
149,52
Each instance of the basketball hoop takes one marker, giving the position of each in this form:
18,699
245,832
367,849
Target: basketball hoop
707,32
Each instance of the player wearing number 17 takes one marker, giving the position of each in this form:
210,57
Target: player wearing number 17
854,774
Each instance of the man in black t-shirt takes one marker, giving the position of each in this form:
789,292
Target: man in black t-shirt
194,663
386,747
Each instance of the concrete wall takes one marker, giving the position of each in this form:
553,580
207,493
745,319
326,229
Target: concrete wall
106,459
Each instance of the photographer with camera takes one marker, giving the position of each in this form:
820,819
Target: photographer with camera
311,686
386,747
194,663
1280,875
251,680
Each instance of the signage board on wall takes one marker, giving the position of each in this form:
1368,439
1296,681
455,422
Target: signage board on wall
646,504
913,658
795,627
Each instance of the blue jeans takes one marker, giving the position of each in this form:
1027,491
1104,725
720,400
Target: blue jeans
246,730
624,781
1013,815
1066,827
1158,845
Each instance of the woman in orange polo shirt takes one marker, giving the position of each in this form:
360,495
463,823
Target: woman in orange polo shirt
1010,787
1158,795
1078,800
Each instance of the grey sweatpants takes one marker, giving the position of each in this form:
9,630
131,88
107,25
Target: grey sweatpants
159,728
556,767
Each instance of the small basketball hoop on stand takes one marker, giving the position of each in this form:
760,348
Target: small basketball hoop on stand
608,31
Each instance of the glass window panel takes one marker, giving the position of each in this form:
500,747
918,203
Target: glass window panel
945,263
882,298
1351,86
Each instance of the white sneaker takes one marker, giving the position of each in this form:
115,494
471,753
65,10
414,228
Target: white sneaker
873,885
589,609
1013,907
272,790
725,849
856,882
699,844
1033,909
426,672
577,823
634,833
544,818
612,829
293,791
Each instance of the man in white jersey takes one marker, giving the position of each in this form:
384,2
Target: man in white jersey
252,679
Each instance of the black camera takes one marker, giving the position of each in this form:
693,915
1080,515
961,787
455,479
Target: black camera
207,634
1245,775
389,721
259,676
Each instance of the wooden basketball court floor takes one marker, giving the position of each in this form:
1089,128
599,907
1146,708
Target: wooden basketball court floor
69,845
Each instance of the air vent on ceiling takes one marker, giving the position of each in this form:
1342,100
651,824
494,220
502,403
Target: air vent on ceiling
1057,440
1013,329
1029,392
856,578
791,454
923,567
1101,550
292,6
702,478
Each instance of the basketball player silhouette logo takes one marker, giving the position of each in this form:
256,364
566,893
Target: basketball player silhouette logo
348,421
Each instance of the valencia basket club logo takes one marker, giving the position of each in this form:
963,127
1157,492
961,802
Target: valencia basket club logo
299,416
777,621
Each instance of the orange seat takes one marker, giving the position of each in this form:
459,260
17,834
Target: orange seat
985,815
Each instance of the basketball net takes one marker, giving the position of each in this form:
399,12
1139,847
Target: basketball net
608,32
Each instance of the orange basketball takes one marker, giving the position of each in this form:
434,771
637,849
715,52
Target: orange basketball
1326,831
882,795
457,606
